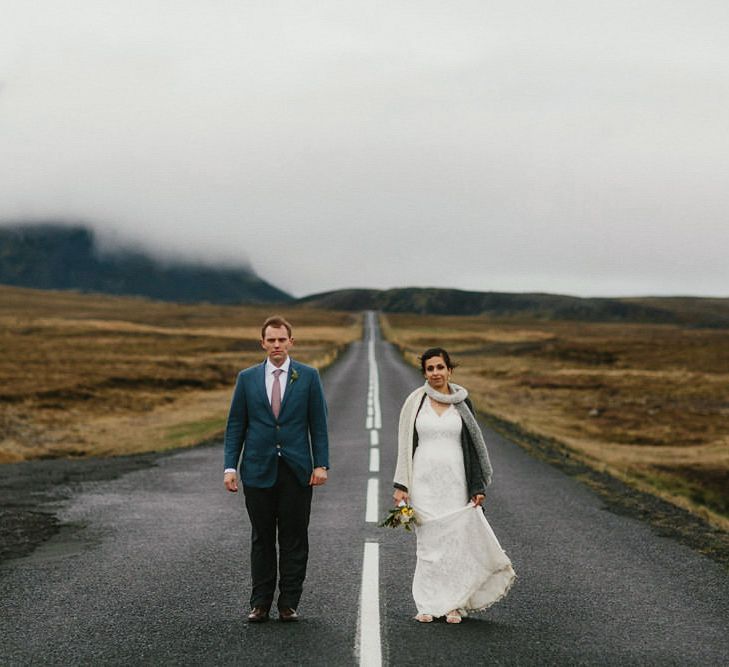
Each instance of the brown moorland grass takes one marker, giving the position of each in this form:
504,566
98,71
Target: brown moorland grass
85,375
648,404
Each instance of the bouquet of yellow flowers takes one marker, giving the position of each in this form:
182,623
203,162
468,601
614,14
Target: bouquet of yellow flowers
402,515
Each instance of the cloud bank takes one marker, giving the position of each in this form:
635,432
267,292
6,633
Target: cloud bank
577,147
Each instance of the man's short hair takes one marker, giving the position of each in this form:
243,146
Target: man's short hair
275,321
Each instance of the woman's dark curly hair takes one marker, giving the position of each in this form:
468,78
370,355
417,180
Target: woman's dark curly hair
436,352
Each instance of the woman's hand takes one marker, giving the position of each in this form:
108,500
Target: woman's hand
399,496
477,499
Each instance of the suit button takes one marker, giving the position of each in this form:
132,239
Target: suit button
278,445
278,428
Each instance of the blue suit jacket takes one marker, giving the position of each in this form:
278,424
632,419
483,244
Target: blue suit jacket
299,435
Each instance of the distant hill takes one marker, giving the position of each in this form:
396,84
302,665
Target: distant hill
54,256
50,256
432,301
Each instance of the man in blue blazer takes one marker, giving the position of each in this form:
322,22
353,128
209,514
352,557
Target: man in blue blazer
278,420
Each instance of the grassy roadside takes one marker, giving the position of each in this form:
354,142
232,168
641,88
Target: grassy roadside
91,375
646,405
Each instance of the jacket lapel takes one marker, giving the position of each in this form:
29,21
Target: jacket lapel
290,384
260,381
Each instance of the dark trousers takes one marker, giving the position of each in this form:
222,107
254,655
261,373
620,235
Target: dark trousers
283,508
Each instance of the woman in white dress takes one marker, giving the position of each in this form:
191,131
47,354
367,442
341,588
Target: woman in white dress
443,469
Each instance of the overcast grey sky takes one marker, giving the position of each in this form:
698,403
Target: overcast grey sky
564,146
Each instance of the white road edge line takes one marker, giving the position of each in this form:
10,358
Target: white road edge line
370,653
374,438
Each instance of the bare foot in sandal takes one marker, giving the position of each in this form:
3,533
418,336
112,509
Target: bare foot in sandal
453,616
424,618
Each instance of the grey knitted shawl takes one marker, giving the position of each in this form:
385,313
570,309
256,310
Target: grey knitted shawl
457,397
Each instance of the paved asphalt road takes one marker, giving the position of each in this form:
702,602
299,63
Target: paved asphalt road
153,568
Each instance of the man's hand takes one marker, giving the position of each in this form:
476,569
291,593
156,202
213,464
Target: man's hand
318,477
231,481
400,496
477,499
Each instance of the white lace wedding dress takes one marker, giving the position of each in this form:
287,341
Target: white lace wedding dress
461,564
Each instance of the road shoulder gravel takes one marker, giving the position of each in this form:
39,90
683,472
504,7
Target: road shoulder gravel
31,493
667,520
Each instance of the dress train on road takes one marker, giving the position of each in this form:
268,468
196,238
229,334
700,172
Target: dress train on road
460,563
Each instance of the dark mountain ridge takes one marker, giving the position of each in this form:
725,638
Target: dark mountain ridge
53,256
692,311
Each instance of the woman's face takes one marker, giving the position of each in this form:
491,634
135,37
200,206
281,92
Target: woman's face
437,373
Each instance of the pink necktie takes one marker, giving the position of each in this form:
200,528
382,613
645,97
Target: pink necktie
276,393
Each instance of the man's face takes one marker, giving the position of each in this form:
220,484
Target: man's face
277,343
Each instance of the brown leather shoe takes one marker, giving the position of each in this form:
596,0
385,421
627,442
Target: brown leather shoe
258,615
287,614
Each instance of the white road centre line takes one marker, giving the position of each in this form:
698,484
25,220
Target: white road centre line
374,460
370,651
374,384
368,626
373,491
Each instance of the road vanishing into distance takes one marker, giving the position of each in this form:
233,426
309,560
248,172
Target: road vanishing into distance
156,568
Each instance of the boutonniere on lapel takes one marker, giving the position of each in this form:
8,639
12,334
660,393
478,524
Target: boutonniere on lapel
294,376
